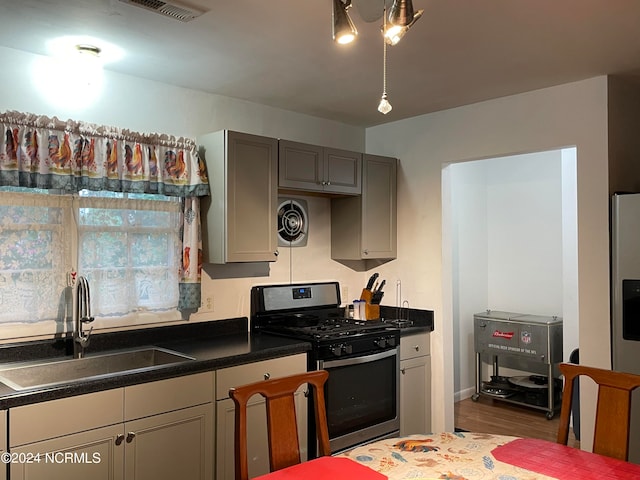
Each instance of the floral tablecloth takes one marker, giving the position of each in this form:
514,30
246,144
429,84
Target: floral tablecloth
450,456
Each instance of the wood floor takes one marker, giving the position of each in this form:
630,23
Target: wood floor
492,416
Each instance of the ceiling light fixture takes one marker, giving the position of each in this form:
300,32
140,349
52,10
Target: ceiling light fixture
401,18
344,31
85,49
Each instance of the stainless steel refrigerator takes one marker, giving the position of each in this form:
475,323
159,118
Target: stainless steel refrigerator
625,299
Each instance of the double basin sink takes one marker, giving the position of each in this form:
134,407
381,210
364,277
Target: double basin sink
58,372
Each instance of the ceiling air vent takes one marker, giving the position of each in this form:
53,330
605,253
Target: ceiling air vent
173,9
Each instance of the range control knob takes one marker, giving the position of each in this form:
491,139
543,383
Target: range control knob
336,350
380,342
391,341
348,349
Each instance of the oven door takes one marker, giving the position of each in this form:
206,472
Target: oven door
362,398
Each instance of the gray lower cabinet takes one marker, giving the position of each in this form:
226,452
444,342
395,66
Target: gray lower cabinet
258,448
415,384
3,442
313,168
365,227
161,429
239,219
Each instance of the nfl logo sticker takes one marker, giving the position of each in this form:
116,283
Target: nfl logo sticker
525,337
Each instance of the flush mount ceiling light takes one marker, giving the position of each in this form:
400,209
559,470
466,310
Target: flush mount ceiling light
85,49
83,44
344,31
394,26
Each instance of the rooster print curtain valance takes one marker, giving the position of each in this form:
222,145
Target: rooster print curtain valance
42,152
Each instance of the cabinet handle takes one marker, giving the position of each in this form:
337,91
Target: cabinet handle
119,438
327,183
417,348
403,371
366,252
130,437
276,253
267,376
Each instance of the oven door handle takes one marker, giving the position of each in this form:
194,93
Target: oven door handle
356,360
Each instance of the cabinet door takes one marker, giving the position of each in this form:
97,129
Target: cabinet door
300,166
252,198
257,444
96,454
342,171
415,395
379,215
3,441
365,227
171,445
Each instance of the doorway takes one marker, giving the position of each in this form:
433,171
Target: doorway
511,225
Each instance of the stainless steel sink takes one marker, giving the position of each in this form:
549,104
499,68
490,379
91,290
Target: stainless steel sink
59,372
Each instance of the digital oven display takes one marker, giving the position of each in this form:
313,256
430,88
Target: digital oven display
300,293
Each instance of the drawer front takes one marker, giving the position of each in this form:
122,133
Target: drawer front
227,378
166,395
413,346
41,421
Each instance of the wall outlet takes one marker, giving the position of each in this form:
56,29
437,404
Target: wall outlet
207,304
345,295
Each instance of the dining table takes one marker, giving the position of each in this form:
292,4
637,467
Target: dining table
460,456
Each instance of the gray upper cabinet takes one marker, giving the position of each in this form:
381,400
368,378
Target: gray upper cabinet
239,220
314,168
365,227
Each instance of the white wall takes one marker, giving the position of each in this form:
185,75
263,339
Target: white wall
524,206
146,106
548,119
470,267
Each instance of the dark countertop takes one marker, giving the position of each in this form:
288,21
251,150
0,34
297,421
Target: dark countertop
214,345
408,320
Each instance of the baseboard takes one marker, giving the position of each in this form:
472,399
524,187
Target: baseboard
464,394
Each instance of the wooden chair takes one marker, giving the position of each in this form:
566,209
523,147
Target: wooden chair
611,433
284,448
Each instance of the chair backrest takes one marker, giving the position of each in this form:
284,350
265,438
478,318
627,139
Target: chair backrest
284,448
613,409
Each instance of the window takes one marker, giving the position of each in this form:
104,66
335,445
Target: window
127,245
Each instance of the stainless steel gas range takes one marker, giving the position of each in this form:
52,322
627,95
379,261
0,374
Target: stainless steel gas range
362,393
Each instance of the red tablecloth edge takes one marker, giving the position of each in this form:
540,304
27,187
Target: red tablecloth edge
563,462
325,468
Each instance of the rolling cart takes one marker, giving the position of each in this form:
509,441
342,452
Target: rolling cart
535,339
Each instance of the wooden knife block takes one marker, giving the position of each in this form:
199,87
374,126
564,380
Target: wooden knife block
372,312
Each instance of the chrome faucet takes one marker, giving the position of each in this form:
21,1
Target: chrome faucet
83,315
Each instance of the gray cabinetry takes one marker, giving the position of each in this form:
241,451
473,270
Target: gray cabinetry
415,384
365,227
258,446
239,220
313,168
160,429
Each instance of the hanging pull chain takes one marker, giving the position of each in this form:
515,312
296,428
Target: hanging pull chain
384,106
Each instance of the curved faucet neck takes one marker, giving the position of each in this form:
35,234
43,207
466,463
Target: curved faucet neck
82,315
